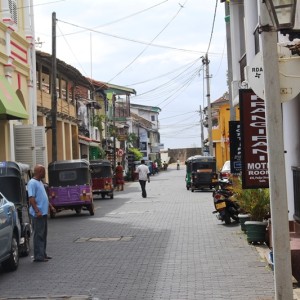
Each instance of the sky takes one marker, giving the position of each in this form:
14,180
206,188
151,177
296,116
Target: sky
153,46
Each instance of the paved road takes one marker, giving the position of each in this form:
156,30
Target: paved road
167,246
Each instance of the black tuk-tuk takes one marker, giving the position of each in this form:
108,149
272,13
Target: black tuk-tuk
102,178
70,186
203,172
13,179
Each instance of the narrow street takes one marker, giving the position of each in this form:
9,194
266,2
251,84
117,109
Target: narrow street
167,246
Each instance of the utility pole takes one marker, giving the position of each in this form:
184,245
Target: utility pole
229,61
205,62
114,125
53,90
276,161
202,131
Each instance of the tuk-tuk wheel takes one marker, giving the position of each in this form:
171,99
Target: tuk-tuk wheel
52,214
25,248
192,190
91,209
112,196
187,187
102,195
78,210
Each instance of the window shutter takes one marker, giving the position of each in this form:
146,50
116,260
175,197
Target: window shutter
30,144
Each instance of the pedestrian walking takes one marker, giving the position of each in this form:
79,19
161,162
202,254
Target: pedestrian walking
119,177
39,207
178,164
144,175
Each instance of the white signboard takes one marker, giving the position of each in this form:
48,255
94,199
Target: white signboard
289,76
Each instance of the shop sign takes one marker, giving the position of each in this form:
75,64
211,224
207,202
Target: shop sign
253,141
235,147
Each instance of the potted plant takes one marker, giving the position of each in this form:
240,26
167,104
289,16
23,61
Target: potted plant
256,204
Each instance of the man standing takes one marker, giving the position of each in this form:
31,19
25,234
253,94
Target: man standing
144,175
39,205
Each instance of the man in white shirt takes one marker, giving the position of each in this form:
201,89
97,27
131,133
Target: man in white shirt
144,175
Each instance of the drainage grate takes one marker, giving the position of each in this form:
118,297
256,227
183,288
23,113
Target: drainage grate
103,239
128,212
143,201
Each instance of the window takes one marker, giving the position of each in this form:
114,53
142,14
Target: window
13,9
152,118
256,40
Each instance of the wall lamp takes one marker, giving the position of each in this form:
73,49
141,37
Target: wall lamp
282,14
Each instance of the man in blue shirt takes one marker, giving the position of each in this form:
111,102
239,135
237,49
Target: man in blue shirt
39,205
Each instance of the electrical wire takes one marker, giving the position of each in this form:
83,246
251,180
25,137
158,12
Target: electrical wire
28,6
191,112
141,53
121,19
162,75
213,26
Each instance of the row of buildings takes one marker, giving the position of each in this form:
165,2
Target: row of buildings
92,120
248,31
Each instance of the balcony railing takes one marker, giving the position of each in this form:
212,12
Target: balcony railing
296,184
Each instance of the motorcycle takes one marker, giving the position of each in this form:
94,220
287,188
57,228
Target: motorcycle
226,206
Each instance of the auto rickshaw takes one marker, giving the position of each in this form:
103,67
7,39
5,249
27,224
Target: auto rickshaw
102,178
13,180
70,186
203,172
188,175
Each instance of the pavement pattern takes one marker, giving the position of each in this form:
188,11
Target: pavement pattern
166,246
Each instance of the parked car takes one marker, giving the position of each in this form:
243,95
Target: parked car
225,171
10,232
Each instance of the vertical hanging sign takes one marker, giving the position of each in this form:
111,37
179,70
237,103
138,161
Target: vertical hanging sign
253,140
235,147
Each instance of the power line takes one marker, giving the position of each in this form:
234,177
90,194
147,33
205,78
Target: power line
213,25
137,41
27,6
191,112
121,19
149,44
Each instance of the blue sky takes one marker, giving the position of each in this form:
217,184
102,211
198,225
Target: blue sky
154,47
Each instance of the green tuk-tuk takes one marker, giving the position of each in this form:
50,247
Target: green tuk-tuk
201,172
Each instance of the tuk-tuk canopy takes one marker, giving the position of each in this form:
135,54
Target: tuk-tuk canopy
205,163
69,173
101,168
13,177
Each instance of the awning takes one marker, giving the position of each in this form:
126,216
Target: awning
88,141
11,107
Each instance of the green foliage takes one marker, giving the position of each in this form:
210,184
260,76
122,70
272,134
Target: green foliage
136,152
132,139
98,121
255,202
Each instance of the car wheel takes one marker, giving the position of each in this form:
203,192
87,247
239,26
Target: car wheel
25,249
12,263
91,209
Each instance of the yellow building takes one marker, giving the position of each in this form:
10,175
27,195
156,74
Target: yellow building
220,129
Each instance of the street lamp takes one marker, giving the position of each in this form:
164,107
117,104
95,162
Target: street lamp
282,13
